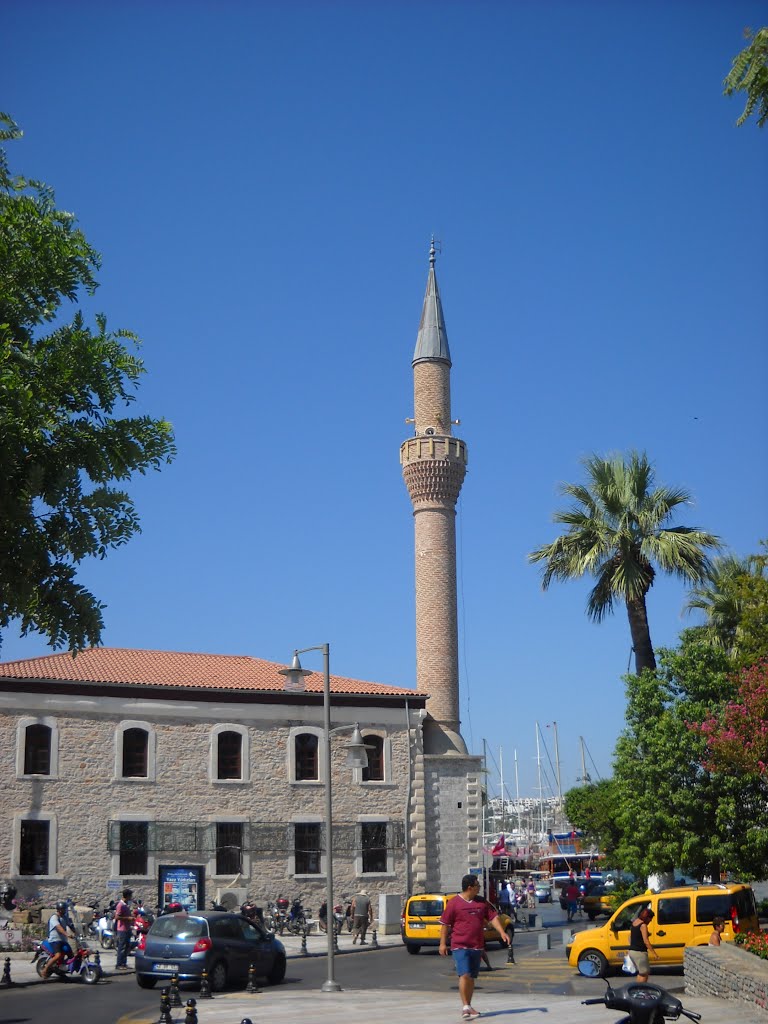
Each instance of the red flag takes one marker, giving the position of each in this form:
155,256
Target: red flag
500,848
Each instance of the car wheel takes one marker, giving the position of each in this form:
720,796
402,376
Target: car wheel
412,949
277,973
591,914
217,976
144,981
595,957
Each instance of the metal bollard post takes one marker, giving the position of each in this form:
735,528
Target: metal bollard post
173,992
510,954
97,958
304,951
246,1020
205,988
190,1017
252,987
165,1008
374,939
6,979
335,941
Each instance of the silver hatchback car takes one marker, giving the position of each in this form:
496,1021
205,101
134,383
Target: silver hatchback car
223,944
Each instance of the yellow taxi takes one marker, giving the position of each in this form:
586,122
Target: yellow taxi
683,918
420,921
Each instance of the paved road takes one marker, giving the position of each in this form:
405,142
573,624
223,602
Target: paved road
386,983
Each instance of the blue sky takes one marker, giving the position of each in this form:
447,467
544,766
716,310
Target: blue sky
263,179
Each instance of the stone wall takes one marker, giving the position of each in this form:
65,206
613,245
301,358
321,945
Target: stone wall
86,792
727,972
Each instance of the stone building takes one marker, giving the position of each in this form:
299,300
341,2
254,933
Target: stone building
123,764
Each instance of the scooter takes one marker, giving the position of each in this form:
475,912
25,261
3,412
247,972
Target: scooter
642,1003
76,964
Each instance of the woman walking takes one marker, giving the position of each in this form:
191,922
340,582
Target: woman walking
640,943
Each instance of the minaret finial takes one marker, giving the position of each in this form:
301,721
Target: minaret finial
432,251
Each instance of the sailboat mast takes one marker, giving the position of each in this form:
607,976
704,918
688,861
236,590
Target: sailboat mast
517,796
559,781
538,781
501,773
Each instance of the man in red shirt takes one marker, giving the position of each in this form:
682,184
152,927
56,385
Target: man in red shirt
465,917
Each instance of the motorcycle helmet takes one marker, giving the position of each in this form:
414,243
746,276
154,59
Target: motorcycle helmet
61,907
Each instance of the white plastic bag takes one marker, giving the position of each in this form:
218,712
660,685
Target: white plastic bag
629,966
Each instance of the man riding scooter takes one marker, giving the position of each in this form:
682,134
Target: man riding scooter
58,923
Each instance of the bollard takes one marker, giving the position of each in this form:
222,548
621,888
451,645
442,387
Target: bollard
190,1017
335,941
97,958
165,1008
304,951
6,979
568,934
374,940
173,992
545,942
205,988
246,1020
510,954
252,987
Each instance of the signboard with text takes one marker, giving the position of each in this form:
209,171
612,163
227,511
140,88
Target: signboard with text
181,883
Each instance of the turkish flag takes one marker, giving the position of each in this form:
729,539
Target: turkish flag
500,848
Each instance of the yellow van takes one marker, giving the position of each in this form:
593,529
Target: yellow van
683,918
420,921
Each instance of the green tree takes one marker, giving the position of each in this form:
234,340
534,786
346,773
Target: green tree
734,600
64,437
668,803
617,529
592,809
749,74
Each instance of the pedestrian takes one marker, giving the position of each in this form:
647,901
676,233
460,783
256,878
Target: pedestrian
640,943
466,916
505,899
531,891
362,916
322,916
571,898
123,922
718,927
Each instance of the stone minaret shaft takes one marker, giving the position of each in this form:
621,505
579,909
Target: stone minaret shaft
434,463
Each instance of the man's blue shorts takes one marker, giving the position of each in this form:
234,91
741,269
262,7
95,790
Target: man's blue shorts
467,961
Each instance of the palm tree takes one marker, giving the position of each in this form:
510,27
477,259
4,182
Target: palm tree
616,531
718,598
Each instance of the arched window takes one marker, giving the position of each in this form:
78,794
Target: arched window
229,760
135,750
37,750
306,757
375,751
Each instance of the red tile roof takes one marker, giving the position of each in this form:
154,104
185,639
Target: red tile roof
109,665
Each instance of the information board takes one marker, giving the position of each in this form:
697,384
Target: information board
181,883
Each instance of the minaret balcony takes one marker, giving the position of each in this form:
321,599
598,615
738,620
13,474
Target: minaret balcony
433,447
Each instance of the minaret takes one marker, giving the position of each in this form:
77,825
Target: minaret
434,463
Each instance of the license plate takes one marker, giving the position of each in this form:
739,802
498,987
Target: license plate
166,967
418,924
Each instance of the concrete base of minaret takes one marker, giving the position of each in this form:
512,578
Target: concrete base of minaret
443,738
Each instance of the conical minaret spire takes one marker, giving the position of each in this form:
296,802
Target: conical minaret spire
434,464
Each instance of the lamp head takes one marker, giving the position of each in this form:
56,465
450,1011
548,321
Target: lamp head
294,676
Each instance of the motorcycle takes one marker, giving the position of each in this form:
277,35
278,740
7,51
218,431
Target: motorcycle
281,914
296,922
642,1002
76,964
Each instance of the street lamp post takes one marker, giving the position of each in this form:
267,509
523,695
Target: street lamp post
356,758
